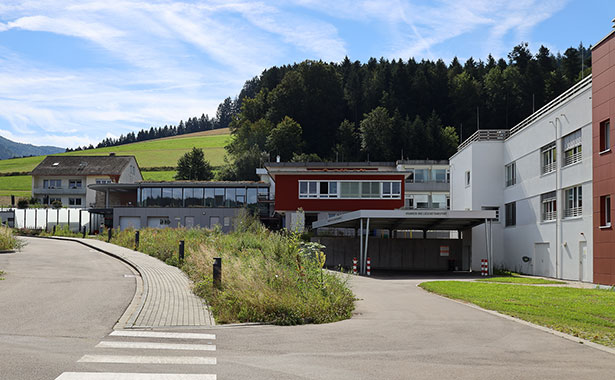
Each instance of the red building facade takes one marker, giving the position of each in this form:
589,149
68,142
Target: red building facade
603,117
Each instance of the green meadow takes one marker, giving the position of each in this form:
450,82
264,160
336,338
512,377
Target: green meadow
153,153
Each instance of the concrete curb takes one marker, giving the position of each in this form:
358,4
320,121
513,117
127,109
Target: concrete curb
560,334
132,311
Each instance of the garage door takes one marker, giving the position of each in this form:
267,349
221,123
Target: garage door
158,221
130,221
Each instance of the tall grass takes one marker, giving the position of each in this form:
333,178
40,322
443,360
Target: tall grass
8,241
266,276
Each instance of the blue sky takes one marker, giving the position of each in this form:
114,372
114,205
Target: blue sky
75,72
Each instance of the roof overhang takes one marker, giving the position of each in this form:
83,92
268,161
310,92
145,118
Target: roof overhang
427,219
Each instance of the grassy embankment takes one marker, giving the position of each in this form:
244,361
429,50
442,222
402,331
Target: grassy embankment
149,154
266,276
515,278
584,313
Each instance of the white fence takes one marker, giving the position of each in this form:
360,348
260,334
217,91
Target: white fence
47,218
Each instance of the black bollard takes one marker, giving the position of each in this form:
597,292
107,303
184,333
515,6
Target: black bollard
181,251
217,272
110,233
84,231
136,240
54,230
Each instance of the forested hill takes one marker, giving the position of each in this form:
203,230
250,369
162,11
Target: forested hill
11,149
381,108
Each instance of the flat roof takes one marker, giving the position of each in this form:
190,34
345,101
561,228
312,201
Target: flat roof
186,184
425,219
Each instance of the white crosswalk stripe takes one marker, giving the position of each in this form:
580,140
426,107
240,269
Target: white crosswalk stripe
123,345
132,376
129,359
157,334
157,346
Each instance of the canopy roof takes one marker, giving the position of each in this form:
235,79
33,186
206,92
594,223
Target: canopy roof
426,219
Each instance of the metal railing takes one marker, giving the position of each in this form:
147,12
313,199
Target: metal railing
572,158
485,135
573,212
548,168
549,215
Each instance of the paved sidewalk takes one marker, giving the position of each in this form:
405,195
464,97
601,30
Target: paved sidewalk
165,299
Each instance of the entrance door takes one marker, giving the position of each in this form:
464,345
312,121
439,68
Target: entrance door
582,258
542,260
189,222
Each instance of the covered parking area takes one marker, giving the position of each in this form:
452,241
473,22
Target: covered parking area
410,254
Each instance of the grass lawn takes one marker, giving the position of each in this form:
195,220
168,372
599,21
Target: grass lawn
514,278
19,185
159,176
585,313
161,152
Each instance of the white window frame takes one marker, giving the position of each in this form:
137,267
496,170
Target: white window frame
75,184
73,201
605,136
52,184
338,185
573,201
510,174
510,220
548,158
606,211
548,207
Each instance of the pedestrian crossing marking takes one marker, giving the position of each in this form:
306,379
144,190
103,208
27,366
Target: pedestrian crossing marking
132,376
157,346
127,359
164,335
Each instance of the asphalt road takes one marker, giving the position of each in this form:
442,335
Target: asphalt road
402,332
57,300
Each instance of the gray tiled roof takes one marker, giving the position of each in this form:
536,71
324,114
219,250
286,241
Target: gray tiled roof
82,165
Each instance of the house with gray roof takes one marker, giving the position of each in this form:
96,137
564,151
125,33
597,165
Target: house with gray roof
66,178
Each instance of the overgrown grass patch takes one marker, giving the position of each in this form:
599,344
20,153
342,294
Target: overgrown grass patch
585,313
8,242
266,276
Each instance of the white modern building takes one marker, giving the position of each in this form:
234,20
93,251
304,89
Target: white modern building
538,176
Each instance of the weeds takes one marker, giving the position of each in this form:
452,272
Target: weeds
8,242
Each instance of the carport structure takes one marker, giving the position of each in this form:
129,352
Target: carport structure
422,220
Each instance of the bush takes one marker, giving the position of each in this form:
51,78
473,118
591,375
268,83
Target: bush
8,242
22,203
61,230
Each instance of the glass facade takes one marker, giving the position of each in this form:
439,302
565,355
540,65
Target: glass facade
201,197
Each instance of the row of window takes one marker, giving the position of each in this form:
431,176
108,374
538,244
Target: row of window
350,189
200,197
71,201
573,153
415,201
72,183
573,206
428,175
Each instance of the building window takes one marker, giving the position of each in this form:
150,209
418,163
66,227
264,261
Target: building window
227,221
573,202
418,201
493,208
74,201
511,177
548,158
438,175
102,181
74,184
511,214
51,200
573,149
548,206
328,190
438,201
605,136
308,189
468,178
350,189
421,175
410,178
605,211
391,190
52,183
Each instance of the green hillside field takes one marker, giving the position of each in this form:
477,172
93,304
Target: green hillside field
149,154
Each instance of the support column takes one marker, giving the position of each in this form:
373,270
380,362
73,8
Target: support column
361,247
364,263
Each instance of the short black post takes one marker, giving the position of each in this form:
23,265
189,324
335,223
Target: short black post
181,251
217,272
84,230
136,240
110,233
54,229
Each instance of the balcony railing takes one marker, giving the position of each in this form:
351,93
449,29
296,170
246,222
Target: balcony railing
485,135
572,158
59,190
573,212
548,168
549,215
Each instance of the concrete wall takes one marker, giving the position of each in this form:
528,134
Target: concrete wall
201,216
397,254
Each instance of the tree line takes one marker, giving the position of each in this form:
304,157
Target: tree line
224,114
390,109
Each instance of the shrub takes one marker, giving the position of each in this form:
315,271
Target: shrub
22,203
8,242
61,230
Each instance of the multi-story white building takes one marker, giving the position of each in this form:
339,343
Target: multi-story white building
66,178
538,175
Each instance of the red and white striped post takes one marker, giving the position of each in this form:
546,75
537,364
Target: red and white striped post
369,266
484,267
354,265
